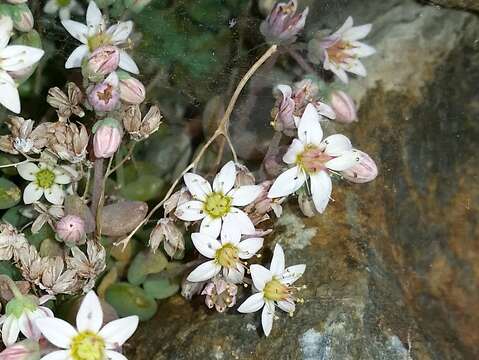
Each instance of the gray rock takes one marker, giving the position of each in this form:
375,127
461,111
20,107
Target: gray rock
392,266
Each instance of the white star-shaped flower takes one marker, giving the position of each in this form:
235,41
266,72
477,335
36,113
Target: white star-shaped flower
13,58
274,289
226,255
46,179
89,340
217,206
95,34
342,50
315,158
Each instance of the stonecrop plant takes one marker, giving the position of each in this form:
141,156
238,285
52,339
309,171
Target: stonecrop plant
72,237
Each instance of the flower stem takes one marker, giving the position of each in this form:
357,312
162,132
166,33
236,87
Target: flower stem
11,284
301,61
97,186
222,130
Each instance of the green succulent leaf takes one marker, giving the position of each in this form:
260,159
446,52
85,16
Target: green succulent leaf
128,299
144,264
10,194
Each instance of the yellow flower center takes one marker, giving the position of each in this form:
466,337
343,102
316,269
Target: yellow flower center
337,53
274,290
217,205
87,346
98,40
45,178
227,255
312,159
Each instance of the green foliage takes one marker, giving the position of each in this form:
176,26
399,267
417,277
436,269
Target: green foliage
45,232
160,287
14,217
192,38
7,268
10,194
144,264
145,187
128,299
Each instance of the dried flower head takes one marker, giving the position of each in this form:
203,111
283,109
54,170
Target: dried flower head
220,294
23,137
66,105
167,232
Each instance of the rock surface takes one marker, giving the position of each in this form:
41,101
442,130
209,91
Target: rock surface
392,266
461,4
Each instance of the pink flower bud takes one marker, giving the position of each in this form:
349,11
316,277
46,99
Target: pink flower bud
132,91
344,107
284,110
106,141
23,350
71,230
104,97
365,171
103,60
24,21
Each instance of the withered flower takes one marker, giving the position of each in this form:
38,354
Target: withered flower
140,129
167,232
68,140
23,137
46,214
220,294
56,281
88,267
11,241
66,105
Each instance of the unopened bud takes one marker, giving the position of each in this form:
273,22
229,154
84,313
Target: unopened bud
106,141
344,107
71,230
23,350
132,90
132,119
364,171
23,21
103,61
283,113
104,97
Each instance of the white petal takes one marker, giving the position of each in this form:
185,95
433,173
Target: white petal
113,355
292,273
78,30
294,150
277,262
225,179
348,24
32,193
267,317
249,247
211,226
6,27
198,186
237,219
287,306
120,32
230,235
57,331
309,130
204,272
245,194
356,67
362,50
28,171
260,276
336,144
205,244
9,96
55,194
61,176
19,57
325,110
234,275
127,63
357,32
347,160
287,183
321,188
76,57
190,211
338,71
10,330
116,333
57,355
90,314
27,325
94,18
285,90
252,304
